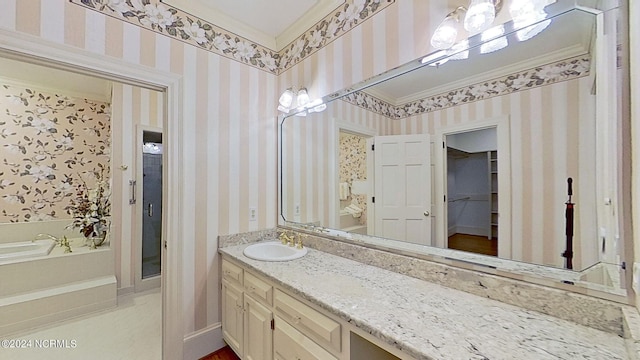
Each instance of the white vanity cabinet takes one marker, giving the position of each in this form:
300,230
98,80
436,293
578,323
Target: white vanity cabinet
247,319
261,321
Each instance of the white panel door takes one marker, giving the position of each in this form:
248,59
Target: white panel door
403,188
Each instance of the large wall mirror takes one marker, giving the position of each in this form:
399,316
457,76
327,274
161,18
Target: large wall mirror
468,154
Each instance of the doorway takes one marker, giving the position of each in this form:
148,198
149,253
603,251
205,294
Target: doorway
353,187
472,191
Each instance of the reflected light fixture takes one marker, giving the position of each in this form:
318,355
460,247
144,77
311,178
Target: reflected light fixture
459,51
438,55
480,15
446,33
493,39
528,16
527,32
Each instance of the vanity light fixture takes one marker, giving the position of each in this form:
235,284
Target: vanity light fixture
303,104
285,101
481,14
446,33
303,97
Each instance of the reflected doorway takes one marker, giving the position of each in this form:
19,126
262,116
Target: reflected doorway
353,187
472,191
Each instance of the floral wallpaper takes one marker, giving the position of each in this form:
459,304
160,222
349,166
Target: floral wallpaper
47,141
164,19
353,166
539,76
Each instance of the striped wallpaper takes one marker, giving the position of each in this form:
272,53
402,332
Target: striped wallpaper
132,106
229,119
229,139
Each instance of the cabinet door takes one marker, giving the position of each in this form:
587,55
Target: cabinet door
232,316
258,336
290,344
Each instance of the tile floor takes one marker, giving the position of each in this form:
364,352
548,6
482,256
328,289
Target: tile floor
133,330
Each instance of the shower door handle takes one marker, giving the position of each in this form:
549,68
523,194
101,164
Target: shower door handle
132,199
150,210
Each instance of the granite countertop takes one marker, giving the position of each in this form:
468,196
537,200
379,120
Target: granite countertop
430,321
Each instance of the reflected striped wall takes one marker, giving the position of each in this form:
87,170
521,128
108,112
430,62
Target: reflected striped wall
309,163
552,137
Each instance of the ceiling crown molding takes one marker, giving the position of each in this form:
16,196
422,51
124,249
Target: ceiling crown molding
158,17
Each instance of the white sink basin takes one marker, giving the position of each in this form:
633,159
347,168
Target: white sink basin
273,251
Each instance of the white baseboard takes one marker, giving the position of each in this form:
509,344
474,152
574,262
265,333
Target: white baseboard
126,290
203,342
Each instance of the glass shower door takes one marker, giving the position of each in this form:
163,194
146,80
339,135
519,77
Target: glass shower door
152,210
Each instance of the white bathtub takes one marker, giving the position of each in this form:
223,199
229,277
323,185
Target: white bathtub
25,249
40,284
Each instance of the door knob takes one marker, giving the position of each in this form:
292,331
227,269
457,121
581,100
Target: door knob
426,213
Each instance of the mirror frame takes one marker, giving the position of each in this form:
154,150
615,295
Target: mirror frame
533,273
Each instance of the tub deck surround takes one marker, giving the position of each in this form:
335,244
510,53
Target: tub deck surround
43,290
430,321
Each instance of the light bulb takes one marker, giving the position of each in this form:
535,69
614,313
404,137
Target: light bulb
286,99
303,97
446,33
480,15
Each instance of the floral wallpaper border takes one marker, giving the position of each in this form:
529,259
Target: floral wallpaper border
161,18
539,76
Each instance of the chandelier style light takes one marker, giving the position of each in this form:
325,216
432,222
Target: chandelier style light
529,19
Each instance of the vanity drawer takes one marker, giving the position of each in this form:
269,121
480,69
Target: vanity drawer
316,326
231,272
290,344
258,288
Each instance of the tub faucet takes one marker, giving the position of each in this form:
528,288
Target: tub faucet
40,236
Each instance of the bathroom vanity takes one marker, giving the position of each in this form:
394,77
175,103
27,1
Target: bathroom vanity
323,306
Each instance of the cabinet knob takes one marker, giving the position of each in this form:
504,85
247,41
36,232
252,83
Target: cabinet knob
426,213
